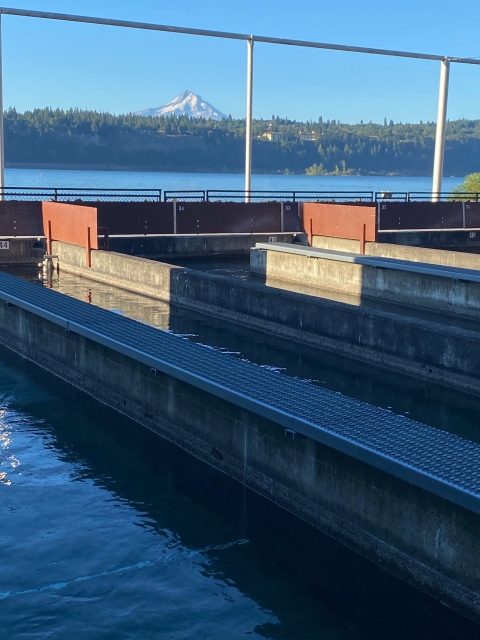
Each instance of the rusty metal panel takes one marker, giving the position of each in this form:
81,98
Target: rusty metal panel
228,217
136,218
472,215
20,218
70,223
339,220
420,215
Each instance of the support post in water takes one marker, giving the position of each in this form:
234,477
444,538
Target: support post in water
441,125
248,127
2,138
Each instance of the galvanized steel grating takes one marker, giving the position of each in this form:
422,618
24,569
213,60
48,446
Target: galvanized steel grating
391,439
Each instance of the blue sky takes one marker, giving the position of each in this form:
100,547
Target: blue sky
60,64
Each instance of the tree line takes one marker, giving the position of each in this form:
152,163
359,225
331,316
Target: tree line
82,137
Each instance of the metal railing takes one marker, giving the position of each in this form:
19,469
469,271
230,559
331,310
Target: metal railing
230,195
426,196
184,196
216,195
419,196
290,196
81,195
392,196
333,196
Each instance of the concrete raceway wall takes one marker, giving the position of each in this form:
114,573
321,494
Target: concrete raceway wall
443,354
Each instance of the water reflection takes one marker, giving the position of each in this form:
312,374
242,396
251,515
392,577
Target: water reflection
113,532
5,441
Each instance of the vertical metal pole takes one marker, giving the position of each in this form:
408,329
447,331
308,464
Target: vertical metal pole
441,125
2,144
248,128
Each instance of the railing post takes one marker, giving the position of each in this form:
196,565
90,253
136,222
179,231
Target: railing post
363,233
440,135
2,133
88,249
49,237
248,122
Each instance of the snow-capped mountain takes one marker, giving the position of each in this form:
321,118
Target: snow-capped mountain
186,104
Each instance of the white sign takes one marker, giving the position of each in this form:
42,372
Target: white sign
272,239
4,244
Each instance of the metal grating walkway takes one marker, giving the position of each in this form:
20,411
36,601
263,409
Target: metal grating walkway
440,462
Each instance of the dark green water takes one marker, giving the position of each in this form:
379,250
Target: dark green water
106,531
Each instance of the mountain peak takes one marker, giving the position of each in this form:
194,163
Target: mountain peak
188,104
185,94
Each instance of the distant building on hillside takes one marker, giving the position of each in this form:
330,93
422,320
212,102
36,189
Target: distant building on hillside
308,136
274,136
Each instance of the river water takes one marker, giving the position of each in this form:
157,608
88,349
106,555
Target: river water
202,181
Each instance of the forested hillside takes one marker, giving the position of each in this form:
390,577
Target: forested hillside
87,138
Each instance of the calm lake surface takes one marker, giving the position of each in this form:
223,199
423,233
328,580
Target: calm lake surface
193,181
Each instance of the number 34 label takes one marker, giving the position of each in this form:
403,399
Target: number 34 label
4,244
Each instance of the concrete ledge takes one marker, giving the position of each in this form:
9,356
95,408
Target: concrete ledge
451,248
193,246
443,354
435,287
458,259
434,239
381,262
336,244
450,258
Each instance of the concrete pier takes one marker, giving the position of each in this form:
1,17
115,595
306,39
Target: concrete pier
403,494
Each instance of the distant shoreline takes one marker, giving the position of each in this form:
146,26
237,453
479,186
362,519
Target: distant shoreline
106,167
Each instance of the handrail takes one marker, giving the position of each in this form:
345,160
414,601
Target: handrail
230,35
232,195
